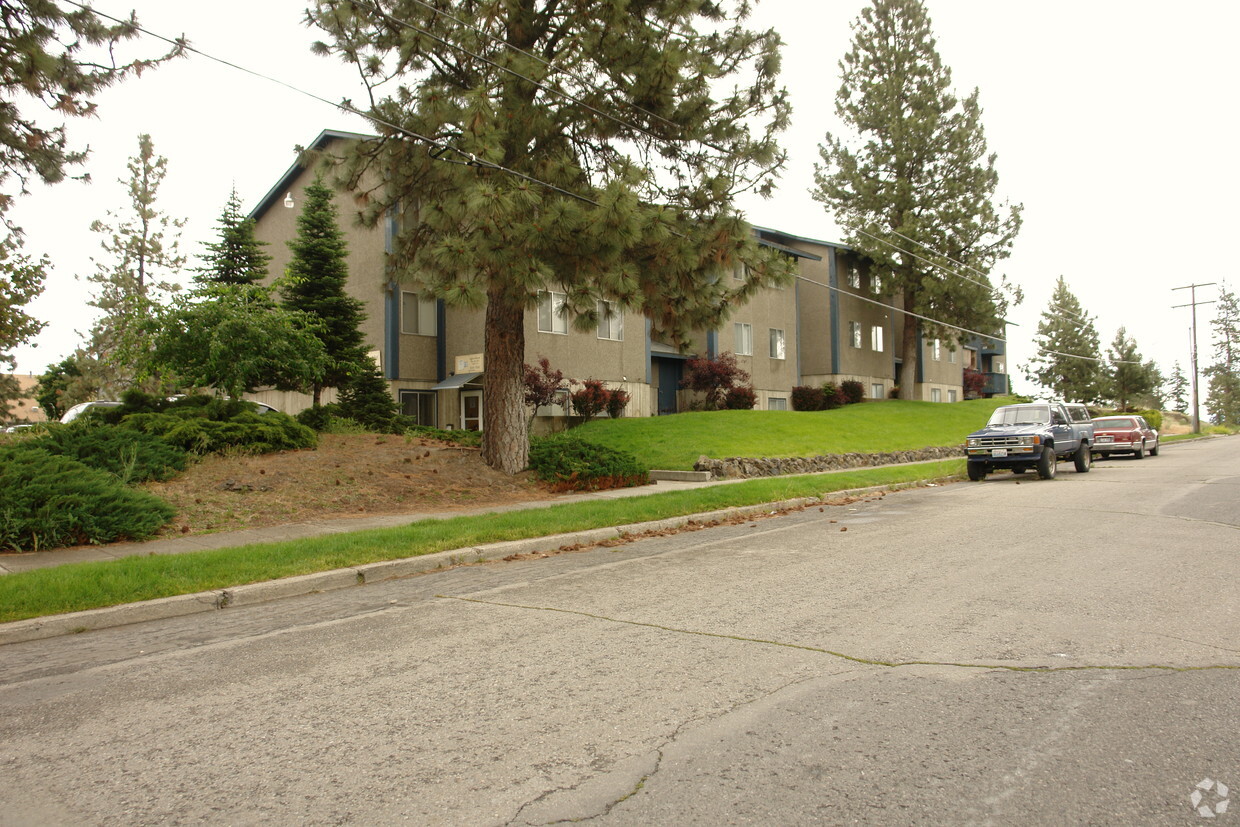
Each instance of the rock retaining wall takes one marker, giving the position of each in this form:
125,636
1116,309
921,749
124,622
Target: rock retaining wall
733,467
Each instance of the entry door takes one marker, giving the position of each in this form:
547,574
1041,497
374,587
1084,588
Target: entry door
669,383
471,410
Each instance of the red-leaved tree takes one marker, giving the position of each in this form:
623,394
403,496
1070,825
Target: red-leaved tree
713,378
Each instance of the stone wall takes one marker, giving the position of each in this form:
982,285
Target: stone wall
733,467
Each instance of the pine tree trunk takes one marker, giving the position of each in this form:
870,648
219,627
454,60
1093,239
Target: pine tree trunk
505,440
317,395
909,352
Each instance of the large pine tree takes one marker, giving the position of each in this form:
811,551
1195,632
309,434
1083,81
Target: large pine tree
1130,381
913,185
589,147
1223,400
237,257
315,284
1068,362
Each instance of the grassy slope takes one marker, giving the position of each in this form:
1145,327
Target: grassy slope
676,441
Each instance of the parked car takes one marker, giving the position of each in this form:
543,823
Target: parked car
1031,436
1128,434
82,407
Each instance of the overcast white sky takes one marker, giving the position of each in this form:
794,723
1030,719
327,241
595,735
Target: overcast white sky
1114,123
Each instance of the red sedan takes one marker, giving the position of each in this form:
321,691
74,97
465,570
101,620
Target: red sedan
1124,435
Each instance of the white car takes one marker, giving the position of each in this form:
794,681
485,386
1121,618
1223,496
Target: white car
82,407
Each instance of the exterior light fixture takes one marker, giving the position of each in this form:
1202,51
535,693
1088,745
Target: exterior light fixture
288,200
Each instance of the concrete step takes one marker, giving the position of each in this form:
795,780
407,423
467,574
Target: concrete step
680,476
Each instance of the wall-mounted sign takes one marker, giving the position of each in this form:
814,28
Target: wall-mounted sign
471,363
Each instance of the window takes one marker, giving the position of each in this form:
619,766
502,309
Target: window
551,315
743,344
777,403
936,350
951,355
610,321
951,396
854,277
877,391
777,344
854,334
420,405
876,339
876,284
936,395
739,271
417,314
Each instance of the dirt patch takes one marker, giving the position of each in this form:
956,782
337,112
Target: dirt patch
348,475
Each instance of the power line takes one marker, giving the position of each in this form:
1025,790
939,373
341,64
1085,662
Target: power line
899,249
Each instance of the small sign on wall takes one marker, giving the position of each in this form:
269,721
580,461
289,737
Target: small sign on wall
471,363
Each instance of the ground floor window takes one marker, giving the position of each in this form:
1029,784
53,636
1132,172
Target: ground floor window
777,403
421,406
936,395
951,396
876,390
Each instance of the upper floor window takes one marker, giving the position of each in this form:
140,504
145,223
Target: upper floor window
740,271
854,277
743,343
854,334
936,350
951,355
876,339
551,315
777,344
610,321
417,314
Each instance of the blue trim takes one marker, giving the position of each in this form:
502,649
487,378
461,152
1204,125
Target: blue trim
391,316
921,355
441,341
649,364
833,310
796,301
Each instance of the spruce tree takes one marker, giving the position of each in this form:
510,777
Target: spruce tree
1223,401
1130,381
1068,362
913,184
315,284
237,257
1177,389
365,397
592,148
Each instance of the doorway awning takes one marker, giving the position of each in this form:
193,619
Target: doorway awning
454,382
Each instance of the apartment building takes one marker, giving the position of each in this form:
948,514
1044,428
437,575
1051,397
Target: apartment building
836,321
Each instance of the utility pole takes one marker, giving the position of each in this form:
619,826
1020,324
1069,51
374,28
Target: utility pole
1193,342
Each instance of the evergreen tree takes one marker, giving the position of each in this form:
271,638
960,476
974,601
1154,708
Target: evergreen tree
1177,389
592,148
1068,362
1130,381
366,398
1223,401
21,281
315,284
238,257
57,58
913,185
143,247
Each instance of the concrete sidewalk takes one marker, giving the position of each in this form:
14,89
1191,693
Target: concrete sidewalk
13,563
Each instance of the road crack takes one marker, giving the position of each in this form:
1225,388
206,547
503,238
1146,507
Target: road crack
843,655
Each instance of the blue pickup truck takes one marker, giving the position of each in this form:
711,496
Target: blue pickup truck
1034,435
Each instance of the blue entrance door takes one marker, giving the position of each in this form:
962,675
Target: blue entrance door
669,382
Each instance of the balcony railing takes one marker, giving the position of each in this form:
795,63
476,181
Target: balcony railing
996,383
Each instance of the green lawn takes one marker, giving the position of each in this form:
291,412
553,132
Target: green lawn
80,586
676,441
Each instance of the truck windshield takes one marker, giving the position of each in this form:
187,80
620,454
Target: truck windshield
1021,415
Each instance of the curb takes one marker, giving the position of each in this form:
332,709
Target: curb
40,628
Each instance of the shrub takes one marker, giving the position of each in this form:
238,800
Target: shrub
1155,418
617,401
974,383
366,398
543,385
740,398
318,418
713,378
832,396
249,431
571,463
853,391
808,398
131,456
47,501
591,400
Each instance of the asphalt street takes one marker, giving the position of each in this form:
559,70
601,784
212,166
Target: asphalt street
1013,651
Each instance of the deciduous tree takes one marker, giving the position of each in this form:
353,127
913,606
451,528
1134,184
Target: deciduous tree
592,148
21,280
1068,362
912,183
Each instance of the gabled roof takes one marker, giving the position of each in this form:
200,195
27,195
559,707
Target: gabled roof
286,180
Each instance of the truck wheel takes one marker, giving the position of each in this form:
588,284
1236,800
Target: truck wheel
977,472
1081,458
1140,452
1046,465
